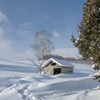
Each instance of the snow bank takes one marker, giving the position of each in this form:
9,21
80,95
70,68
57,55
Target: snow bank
20,81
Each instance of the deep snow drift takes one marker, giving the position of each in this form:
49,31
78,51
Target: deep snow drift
19,80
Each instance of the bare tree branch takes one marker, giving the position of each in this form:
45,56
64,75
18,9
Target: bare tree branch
42,46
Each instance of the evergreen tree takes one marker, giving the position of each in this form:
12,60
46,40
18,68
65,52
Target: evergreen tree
88,43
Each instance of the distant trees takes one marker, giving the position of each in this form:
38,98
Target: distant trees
88,43
41,46
70,59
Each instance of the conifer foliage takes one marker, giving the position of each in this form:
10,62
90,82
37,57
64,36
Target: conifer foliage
88,42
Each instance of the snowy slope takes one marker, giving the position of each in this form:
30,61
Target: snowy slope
19,80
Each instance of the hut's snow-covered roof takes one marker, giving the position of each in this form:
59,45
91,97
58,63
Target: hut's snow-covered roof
59,62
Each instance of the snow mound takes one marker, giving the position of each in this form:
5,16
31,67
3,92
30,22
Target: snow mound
19,80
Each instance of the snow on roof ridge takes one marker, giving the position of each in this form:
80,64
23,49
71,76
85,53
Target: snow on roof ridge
54,59
59,61
63,61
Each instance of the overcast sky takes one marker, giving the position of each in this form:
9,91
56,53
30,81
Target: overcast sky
21,19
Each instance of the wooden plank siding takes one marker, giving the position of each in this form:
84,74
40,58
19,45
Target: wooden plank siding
52,67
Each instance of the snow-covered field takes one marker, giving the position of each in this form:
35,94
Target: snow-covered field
19,80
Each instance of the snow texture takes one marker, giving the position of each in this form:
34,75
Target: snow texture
59,62
19,80
97,74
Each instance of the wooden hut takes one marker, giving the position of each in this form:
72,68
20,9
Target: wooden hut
56,66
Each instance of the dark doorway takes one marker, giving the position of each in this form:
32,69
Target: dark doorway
57,71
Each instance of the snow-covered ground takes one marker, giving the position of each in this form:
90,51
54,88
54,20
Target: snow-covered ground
19,80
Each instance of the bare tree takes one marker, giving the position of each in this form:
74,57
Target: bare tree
41,46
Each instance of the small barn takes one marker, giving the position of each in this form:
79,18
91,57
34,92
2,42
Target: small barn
56,66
